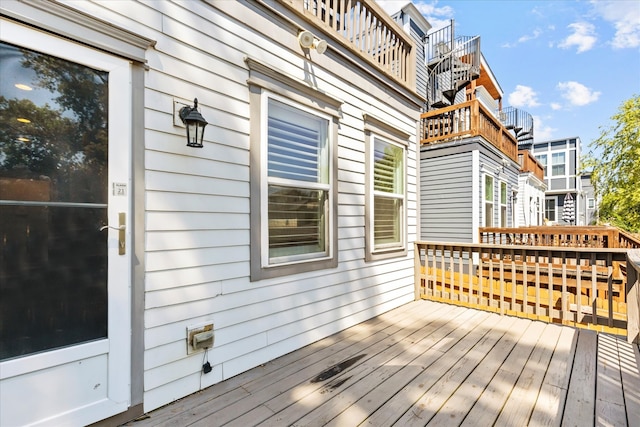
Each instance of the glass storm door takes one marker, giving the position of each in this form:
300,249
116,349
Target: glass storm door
64,276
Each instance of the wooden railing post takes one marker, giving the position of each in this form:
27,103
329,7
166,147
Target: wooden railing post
417,269
633,296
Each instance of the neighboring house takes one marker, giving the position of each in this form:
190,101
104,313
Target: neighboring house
531,191
561,161
129,252
587,202
469,164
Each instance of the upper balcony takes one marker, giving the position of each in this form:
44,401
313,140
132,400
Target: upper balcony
466,120
366,30
528,163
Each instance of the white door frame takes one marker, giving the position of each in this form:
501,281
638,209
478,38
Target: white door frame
84,383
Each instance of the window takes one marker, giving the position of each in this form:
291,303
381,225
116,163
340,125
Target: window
388,195
297,185
503,204
293,175
557,164
591,203
542,158
385,205
550,209
488,201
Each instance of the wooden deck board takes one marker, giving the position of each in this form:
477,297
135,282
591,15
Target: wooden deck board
552,397
428,363
630,369
610,410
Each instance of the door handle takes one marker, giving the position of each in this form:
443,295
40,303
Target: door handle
121,229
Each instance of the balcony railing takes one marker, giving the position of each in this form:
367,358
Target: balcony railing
563,236
528,163
364,28
466,120
570,285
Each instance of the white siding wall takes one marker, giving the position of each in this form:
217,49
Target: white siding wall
530,190
197,200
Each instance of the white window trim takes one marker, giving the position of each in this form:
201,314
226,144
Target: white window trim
265,181
505,204
485,201
380,129
372,193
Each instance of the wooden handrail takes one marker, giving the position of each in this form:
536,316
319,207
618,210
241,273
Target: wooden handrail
467,119
574,286
528,163
626,240
572,236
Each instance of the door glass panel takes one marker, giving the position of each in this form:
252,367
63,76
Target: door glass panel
53,201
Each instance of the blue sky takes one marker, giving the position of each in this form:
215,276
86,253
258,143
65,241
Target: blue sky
570,64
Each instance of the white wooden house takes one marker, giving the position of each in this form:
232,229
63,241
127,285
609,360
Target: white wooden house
123,248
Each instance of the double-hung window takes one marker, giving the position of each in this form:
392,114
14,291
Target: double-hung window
557,164
503,204
386,189
297,185
488,200
293,174
388,170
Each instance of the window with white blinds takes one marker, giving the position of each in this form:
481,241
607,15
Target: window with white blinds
388,195
298,184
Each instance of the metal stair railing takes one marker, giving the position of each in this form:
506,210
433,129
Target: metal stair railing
452,62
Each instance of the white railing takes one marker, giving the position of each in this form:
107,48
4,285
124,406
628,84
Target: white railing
364,28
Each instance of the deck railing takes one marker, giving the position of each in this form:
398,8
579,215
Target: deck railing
465,120
633,296
571,236
364,28
573,286
528,163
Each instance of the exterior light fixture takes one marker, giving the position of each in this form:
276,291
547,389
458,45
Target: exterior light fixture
195,124
308,41
320,46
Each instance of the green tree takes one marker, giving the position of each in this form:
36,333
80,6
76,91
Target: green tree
614,160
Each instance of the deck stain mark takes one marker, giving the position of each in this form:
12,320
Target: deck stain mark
330,386
336,369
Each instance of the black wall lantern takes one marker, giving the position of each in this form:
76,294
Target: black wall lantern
195,124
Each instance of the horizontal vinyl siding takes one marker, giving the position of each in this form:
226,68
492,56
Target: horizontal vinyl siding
197,218
446,198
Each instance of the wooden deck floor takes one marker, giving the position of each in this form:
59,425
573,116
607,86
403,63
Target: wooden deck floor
429,363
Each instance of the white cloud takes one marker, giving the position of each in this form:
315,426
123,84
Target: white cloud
542,132
536,33
577,94
556,106
583,37
625,17
523,96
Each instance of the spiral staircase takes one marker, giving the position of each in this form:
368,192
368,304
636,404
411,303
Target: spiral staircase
452,64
